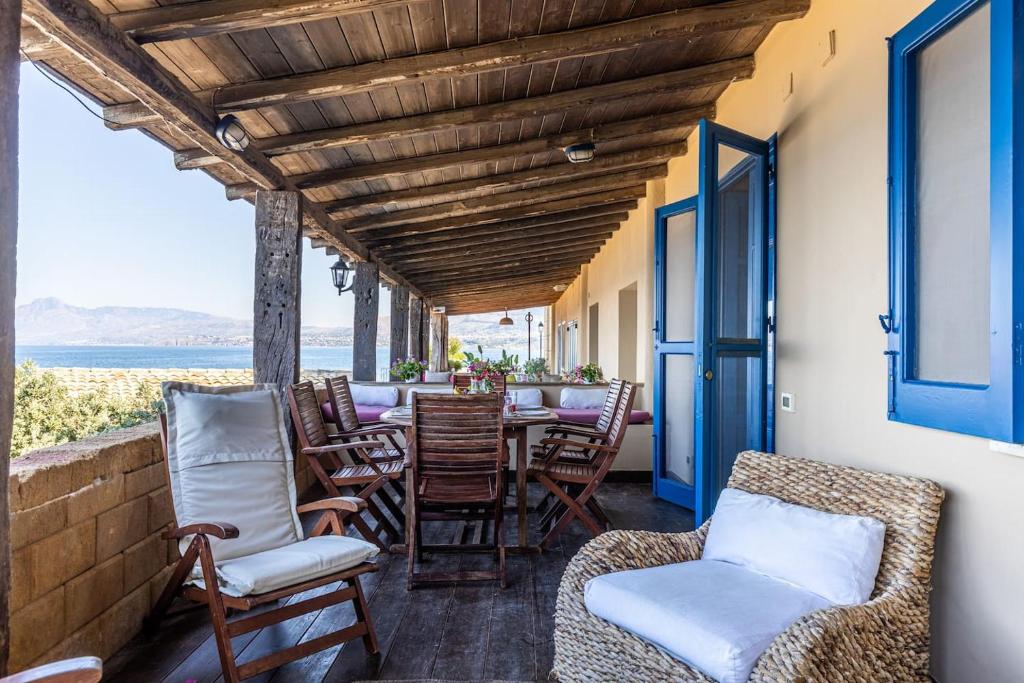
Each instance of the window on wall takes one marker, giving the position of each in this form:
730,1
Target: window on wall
954,338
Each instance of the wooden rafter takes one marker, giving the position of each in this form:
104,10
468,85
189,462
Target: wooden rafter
210,17
559,205
544,193
500,242
538,49
487,257
83,31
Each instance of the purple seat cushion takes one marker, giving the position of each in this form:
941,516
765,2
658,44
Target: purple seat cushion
590,415
364,413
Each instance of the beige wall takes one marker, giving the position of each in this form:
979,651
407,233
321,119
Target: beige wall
832,286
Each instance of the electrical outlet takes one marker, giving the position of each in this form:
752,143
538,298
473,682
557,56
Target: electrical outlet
787,402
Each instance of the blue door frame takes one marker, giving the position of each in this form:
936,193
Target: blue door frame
707,347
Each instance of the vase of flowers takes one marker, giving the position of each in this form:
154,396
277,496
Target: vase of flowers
535,369
482,377
409,370
587,374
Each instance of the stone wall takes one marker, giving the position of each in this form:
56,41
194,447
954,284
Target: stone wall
87,558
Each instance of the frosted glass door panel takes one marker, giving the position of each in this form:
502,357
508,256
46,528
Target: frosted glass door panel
680,271
678,406
951,255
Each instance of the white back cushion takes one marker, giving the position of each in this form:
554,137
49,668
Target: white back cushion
834,556
425,390
229,461
571,397
366,395
527,398
429,376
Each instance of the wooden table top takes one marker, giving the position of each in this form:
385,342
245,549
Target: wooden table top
402,415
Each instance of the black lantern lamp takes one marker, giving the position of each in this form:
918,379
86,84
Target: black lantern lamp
340,272
231,134
580,153
506,320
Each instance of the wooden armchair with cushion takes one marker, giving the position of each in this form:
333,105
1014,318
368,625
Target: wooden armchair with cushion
236,520
882,637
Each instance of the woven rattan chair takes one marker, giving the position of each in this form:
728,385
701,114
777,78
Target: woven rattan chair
885,639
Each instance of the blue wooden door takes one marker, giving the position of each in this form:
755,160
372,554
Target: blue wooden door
714,332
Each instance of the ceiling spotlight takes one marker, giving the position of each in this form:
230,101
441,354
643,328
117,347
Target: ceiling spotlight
560,287
580,153
231,134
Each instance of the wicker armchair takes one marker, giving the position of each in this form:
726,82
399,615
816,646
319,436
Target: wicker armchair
885,639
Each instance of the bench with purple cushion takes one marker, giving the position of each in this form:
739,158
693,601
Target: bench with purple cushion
590,415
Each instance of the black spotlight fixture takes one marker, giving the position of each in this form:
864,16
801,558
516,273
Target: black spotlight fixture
581,152
340,272
231,134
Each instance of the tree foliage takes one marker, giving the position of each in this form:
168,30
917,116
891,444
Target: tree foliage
47,413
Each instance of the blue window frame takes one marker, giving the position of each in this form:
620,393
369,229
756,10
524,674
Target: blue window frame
988,399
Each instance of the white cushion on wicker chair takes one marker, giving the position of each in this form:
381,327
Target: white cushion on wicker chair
835,556
369,395
715,616
288,565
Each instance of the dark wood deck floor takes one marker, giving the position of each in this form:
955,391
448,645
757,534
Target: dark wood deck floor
468,632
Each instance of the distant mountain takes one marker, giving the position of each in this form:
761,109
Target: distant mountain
51,321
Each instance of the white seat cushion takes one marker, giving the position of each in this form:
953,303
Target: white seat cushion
370,395
835,556
583,399
715,616
288,565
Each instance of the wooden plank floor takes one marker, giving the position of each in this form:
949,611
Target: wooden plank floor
466,632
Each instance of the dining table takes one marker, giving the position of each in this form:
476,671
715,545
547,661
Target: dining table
516,425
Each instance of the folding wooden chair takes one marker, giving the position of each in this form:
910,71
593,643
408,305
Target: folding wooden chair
232,484
456,449
358,472
575,483
349,426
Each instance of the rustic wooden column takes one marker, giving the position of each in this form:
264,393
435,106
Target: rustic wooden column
416,328
438,342
10,39
399,322
365,287
277,296
425,329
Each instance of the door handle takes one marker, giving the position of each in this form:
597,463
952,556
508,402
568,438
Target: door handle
709,375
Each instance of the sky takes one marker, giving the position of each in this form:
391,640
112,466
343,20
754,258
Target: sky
105,219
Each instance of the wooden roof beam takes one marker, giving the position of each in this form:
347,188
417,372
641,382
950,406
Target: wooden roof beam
82,30
560,205
500,242
212,17
494,269
508,182
543,193
680,122
615,36
486,257
504,278
568,219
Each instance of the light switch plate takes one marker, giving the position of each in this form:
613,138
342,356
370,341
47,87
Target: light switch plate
787,402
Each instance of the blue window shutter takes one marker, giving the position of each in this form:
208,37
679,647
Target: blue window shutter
995,410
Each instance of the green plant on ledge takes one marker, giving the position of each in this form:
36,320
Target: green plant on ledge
408,370
535,368
590,373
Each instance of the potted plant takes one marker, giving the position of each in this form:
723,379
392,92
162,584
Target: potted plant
409,370
483,376
506,365
535,369
588,374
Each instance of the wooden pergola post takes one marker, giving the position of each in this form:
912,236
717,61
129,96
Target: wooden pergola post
10,39
438,342
277,297
366,288
416,327
425,329
399,322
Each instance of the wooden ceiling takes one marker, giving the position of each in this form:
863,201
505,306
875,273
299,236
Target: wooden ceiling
426,135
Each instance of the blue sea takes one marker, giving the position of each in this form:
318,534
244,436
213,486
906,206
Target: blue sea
311,357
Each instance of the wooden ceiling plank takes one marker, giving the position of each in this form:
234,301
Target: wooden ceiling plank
212,17
499,242
464,61
571,188
486,257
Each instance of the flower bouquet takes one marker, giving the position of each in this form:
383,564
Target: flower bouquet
587,374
